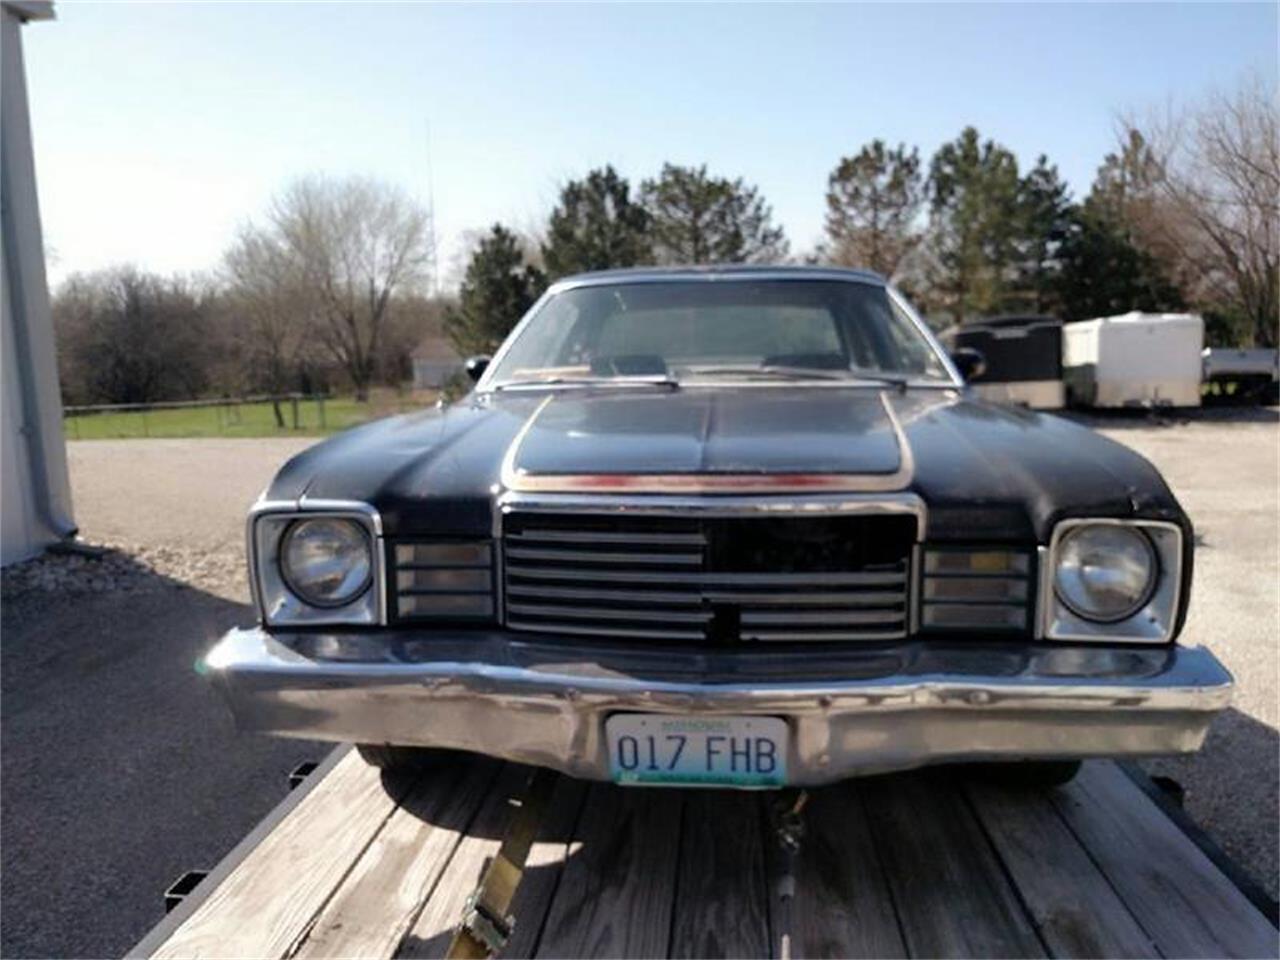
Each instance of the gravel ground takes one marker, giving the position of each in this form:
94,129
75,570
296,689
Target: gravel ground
112,803
191,495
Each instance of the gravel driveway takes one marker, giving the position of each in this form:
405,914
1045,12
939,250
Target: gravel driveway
120,769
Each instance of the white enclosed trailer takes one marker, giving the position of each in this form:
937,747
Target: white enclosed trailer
1136,359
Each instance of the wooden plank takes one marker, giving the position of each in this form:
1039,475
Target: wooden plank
544,867
842,906
1187,906
267,903
1071,902
953,898
378,901
616,891
432,931
722,907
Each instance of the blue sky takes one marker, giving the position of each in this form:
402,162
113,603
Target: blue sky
160,127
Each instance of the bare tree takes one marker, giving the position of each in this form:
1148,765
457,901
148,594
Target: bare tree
1219,186
125,336
268,299
355,243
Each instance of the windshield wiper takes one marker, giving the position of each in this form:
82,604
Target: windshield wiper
851,376
771,370
623,380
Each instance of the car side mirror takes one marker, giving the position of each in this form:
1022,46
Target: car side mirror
970,362
476,366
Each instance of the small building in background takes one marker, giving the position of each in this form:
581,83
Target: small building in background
1134,360
434,362
35,493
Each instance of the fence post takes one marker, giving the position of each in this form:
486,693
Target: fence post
321,401
293,400
145,432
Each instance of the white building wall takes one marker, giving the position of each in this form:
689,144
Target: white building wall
35,495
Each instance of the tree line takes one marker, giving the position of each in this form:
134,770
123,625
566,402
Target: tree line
328,286
326,289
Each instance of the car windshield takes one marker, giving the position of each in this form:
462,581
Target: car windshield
690,331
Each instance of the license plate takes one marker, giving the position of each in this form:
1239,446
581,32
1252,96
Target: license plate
652,748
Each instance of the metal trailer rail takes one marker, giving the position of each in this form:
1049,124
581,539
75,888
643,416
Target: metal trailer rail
358,863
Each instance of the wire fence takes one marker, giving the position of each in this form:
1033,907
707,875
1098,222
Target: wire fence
254,416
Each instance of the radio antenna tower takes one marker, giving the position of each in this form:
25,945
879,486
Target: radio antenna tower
434,281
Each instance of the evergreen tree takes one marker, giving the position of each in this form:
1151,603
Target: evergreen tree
1125,188
873,200
499,287
1103,273
696,218
1111,258
973,201
1045,218
595,226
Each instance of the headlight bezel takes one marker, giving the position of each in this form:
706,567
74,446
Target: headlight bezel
279,605
1155,620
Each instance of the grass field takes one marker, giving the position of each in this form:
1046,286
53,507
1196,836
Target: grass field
314,418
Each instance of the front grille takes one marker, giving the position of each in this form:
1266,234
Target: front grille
716,580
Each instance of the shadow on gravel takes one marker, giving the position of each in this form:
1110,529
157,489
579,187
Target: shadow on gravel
1233,791
119,767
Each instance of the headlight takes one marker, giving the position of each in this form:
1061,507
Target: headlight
327,561
1105,572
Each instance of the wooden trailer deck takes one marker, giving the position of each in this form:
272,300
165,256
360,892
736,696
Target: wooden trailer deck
924,864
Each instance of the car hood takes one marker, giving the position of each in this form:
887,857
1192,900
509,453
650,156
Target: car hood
985,471
701,432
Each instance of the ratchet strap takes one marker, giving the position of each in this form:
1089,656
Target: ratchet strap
486,924
788,821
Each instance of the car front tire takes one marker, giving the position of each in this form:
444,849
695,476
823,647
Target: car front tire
384,756
1029,774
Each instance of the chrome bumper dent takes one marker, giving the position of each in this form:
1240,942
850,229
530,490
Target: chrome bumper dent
859,711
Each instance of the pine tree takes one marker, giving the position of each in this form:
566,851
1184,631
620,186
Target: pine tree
695,218
596,226
973,232
1044,220
873,201
498,289
1103,273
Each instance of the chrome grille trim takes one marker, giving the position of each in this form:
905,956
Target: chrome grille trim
586,536
888,579
582,556
651,572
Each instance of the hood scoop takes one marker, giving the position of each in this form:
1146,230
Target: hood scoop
761,440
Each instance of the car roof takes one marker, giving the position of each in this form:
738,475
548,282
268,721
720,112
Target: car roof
718,272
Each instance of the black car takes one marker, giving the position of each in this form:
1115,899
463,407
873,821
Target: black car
741,526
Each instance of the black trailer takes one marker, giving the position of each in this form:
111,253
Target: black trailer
1024,358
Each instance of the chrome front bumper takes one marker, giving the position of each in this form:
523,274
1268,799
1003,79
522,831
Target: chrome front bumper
850,712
